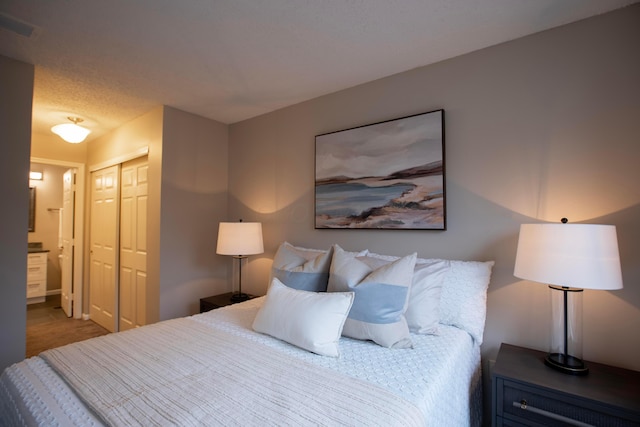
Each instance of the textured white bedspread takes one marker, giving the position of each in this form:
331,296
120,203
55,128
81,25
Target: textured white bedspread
440,376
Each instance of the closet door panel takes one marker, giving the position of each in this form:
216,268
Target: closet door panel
133,244
104,246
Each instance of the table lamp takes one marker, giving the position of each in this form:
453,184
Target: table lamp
568,258
240,239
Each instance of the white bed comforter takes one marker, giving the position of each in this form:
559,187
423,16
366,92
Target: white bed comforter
212,369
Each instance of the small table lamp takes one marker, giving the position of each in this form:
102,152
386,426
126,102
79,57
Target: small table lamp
240,239
569,258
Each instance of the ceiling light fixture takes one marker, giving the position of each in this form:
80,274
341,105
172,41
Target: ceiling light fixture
71,132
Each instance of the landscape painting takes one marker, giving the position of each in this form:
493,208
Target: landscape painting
388,175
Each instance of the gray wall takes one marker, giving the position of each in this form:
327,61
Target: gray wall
16,86
194,201
537,129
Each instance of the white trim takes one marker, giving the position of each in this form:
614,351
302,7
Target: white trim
85,316
78,256
120,159
53,292
36,300
56,162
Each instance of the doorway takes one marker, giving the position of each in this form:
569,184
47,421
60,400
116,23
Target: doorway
75,246
45,320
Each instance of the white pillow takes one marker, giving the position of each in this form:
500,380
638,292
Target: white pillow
310,253
309,320
303,269
463,299
463,302
423,311
381,297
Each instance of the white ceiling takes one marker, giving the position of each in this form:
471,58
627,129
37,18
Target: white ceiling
110,61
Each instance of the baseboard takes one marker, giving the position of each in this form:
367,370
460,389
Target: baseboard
85,316
54,292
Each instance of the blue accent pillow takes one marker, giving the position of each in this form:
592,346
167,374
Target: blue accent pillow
381,297
302,269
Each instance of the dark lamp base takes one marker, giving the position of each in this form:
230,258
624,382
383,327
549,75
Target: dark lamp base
239,297
567,364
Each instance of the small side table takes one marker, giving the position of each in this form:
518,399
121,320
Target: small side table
217,301
527,392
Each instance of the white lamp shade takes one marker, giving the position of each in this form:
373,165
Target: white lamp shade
71,132
240,238
572,255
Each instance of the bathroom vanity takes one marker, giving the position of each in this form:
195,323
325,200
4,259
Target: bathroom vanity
36,274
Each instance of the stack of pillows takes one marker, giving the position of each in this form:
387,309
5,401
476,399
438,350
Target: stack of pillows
316,296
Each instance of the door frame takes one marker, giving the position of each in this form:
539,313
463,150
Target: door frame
78,229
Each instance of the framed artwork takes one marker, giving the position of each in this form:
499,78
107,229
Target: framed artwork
32,209
387,175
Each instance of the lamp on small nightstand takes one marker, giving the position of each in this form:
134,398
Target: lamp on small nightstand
240,239
569,258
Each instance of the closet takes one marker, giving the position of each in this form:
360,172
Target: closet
118,245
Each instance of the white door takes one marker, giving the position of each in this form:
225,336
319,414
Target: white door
67,241
133,243
104,244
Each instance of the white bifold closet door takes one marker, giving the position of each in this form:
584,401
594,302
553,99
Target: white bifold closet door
133,243
118,268
104,246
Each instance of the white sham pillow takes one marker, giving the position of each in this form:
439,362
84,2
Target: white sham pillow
423,311
381,297
309,320
303,269
463,298
463,302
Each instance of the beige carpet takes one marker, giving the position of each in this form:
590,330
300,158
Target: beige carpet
56,333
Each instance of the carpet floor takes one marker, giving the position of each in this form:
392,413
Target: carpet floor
48,327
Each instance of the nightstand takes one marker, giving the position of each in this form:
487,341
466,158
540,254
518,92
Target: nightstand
527,392
217,301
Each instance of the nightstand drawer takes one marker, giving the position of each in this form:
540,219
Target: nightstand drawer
537,406
527,392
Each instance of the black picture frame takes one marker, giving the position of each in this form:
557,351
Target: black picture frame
385,175
32,209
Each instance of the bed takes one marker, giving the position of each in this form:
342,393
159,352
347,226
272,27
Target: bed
226,367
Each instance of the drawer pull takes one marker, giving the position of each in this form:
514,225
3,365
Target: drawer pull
525,407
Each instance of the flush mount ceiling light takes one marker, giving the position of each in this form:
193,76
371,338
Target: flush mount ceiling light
71,132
